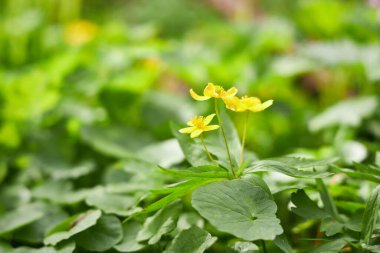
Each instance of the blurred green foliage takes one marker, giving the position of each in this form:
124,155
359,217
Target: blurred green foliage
90,87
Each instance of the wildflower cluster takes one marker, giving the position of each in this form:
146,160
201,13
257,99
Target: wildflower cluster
199,124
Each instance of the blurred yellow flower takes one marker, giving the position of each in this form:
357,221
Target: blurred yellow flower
246,103
213,91
80,32
198,125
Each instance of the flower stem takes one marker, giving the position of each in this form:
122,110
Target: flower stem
205,148
263,246
224,136
244,137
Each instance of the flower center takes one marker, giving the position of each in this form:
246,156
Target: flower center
199,122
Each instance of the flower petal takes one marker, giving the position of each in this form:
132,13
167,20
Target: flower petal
211,127
208,119
198,97
187,130
261,107
231,103
231,92
209,91
196,133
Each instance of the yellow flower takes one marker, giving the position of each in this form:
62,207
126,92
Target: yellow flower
80,32
245,103
214,91
198,125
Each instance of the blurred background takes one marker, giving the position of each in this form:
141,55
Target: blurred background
88,87
78,74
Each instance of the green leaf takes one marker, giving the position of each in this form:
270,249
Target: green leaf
244,247
106,233
72,226
293,167
282,243
3,170
305,207
20,217
66,247
116,141
111,203
159,224
206,171
350,112
331,246
240,207
370,216
192,240
328,203
34,233
331,227
176,192
129,242
157,153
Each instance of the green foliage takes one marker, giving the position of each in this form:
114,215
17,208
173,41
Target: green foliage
93,93
240,207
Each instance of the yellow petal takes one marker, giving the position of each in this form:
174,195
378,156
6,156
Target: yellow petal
196,133
231,103
209,91
208,119
261,107
231,92
198,97
211,127
187,130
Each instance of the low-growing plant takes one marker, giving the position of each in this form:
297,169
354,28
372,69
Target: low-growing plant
236,207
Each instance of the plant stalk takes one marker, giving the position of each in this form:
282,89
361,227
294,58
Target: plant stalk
244,137
224,136
263,246
205,148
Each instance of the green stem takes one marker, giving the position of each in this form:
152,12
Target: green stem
264,247
326,199
224,136
244,137
205,148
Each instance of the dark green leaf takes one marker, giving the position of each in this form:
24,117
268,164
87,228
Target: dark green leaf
240,207
106,233
192,240
305,207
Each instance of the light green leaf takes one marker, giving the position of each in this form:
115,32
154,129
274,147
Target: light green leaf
129,242
111,203
244,247
35,232
240,207
106,233
72,226
116,141
192,240
293,167
305,207
370,215
157,153
176,192
350,112
20,217
206,171
159,224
